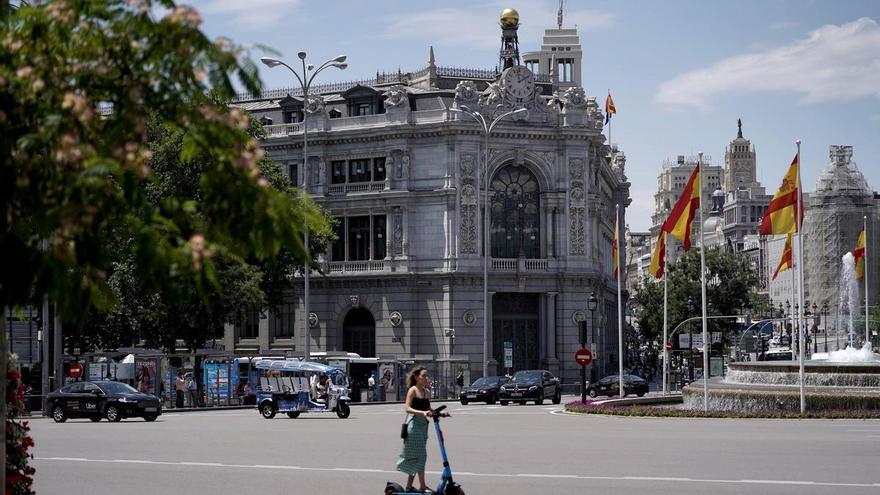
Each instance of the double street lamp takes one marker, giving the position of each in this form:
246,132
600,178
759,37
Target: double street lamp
487,127
305,79
592,303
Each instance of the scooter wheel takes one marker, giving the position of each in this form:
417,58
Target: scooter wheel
267,410
343,410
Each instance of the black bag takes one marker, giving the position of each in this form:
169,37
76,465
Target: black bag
403,430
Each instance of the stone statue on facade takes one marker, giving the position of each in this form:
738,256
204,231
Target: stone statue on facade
314,105
492,96
466,94
396,96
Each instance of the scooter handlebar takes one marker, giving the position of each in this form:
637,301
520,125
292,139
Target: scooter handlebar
438,413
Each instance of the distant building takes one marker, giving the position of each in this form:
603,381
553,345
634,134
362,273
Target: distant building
746,198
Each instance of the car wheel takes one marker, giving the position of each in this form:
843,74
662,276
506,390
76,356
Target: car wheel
641,394
490,400
59,415
521,402
150,418
540,400
94,419
557,398
593,393
267,410
343,410
113,414
464,402
293,414
503,402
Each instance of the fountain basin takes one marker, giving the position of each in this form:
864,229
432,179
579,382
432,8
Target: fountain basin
773,385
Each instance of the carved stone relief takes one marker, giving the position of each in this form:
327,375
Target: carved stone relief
576,207
397,235
467,205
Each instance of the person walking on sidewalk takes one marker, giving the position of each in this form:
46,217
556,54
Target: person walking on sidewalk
194,391
180,390
418,409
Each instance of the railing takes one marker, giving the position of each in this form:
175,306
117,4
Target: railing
355,266
356,187
278,130
520,265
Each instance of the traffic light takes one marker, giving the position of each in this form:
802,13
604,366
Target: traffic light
764,344
583,329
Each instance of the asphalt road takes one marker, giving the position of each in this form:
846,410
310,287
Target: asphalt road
493,450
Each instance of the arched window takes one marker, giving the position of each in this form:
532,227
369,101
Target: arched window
515,214
359,332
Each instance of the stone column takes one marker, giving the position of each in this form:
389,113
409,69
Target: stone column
493,367
263,336
550,360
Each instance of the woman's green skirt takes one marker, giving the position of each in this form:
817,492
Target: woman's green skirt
414,454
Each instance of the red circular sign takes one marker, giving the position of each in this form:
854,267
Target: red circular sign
75,370
583,357
669,346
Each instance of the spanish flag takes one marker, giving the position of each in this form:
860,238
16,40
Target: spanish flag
609,108
780,215
787,261
678,223
859,255
614,250
658,258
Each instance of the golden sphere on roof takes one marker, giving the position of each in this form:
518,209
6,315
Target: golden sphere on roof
509,18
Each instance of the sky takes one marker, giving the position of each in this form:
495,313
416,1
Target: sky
681,71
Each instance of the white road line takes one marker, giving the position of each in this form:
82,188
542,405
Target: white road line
466,473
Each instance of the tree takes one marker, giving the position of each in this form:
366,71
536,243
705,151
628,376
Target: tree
731,284
77,79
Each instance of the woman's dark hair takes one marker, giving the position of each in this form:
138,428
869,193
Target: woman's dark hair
413,374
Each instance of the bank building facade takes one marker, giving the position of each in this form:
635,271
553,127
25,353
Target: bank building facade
399,165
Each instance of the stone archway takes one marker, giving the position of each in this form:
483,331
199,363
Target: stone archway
359,332
515,213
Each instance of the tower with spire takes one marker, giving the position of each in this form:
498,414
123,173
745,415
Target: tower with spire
740,164
508,56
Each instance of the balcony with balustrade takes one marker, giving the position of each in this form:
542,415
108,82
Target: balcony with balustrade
520,265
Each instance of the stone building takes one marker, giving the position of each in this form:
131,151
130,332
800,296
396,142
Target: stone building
401,170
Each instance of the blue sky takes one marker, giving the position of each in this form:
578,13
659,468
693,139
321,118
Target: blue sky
681,71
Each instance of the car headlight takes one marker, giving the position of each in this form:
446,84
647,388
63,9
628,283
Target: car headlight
533,388
482,391
126,399
503,388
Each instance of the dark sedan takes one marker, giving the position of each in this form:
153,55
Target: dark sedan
610,385
96,400
528,385
485,389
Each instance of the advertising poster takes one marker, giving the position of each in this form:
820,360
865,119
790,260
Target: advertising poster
146,377
218,379
388,379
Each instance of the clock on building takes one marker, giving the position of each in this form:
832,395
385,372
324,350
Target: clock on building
518,83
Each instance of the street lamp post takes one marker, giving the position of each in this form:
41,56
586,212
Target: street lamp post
487,127
690,304
825,323
816,326
305,81
592,303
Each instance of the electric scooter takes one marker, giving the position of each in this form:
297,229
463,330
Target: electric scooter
446,486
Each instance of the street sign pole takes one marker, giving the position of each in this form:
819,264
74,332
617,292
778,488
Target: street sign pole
583,329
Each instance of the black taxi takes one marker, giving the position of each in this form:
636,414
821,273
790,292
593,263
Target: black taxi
101,399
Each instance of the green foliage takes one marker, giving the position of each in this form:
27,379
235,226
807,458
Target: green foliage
82,172
731,284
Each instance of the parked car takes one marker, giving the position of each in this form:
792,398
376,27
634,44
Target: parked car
534,385
484,389
610,385
101,399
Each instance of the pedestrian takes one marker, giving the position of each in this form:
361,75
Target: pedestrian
179,390
371,384
194,391
418,409
459,379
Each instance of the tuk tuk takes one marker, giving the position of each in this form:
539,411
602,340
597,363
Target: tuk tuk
293,386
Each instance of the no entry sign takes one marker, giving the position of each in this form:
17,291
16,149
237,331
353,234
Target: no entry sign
75,370
583,357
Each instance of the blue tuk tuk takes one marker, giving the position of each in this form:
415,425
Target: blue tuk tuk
293,386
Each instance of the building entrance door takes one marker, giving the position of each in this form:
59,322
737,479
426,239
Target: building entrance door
515,321
359,333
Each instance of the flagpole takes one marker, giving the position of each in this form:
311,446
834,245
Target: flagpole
609,120
865,264
665,319
794,297
706,345
801,339
619,301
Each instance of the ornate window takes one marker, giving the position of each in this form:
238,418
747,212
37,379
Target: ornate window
515,214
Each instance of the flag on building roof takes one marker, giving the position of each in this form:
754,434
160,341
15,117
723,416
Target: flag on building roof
787,260
657,268
679,221
783,209
859,255
609,108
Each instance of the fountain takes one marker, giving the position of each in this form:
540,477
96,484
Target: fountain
847,378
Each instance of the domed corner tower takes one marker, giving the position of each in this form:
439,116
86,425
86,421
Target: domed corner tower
508,56
833,219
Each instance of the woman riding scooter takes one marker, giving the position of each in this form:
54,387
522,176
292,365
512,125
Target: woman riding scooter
418,409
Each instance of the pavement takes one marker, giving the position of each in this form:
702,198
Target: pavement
514,450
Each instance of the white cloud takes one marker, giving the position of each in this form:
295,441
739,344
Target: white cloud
252,13
478,27
833,63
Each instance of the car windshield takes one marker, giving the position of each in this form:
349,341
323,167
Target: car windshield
117,388
485,382
527,376
634,378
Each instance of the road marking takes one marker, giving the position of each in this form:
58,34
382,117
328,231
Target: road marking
466,473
